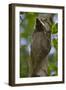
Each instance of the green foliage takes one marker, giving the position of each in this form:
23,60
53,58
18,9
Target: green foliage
55,43
28,24
53,60
23,62
52,65
54,28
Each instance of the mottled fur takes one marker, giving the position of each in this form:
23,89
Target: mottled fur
40,47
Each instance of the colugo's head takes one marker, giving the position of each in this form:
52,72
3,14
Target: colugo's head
43,24
46,17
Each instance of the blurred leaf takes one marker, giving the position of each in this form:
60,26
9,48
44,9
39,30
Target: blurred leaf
55,43
23,61
29,27
54,28
23,67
